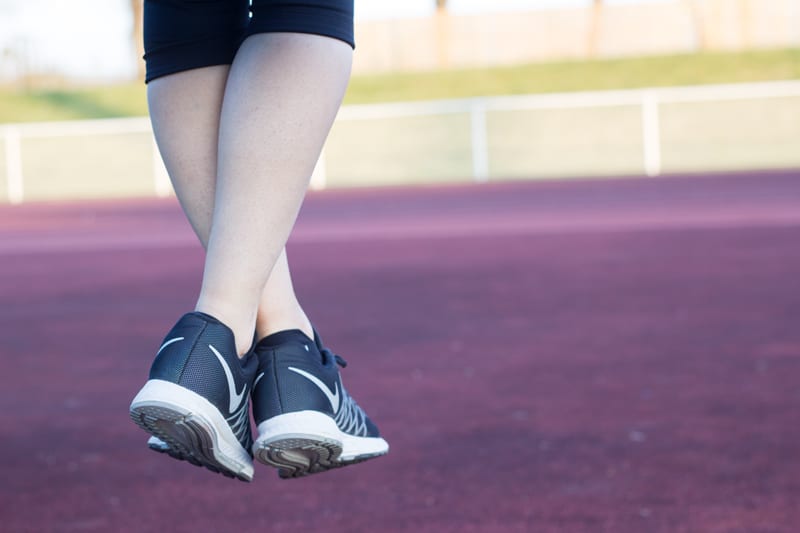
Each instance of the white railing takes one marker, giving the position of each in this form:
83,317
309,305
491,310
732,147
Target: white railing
12,135
649,101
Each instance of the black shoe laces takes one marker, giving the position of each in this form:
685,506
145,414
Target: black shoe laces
327,354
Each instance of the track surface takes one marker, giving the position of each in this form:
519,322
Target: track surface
617,355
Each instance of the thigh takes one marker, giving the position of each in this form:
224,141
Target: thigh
330,18
186,34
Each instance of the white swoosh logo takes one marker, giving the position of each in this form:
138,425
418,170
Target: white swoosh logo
236,399
176,339
333,397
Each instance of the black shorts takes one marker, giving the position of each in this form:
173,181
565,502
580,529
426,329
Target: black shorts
185,34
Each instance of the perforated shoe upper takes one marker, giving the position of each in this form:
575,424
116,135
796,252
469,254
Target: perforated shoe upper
298,374
199,354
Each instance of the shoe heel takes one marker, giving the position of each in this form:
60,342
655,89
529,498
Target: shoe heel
191,425
298,444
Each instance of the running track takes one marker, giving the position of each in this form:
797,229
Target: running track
576,356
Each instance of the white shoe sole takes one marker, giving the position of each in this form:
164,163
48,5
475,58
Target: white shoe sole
309,442
192,426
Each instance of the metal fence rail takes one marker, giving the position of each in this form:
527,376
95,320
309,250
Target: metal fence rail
476,133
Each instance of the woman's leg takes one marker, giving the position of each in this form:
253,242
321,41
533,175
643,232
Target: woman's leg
185,111
282,94
240,144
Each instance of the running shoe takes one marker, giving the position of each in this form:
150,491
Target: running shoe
307,423
196,401
158,445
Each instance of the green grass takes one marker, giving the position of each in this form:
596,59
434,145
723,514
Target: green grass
95,102
695,69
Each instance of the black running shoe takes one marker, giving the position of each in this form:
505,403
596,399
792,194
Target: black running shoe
158,445
307,423
196,402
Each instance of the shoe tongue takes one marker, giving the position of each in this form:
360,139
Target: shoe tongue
282,337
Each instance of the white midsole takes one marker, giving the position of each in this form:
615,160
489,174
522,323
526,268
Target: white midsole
313,424
164,394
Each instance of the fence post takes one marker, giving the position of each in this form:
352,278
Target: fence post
479,139
161,181
14,178
319,177
651,134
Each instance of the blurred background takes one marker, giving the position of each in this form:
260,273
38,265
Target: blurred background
558,246
443,91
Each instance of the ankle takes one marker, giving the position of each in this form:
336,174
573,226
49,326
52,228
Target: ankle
273,321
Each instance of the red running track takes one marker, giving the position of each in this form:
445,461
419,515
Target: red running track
614,355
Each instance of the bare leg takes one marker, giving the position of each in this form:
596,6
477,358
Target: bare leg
281,97
185,110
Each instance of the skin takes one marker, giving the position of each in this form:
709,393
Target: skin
240,143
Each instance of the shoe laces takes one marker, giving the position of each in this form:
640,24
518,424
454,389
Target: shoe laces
327,354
